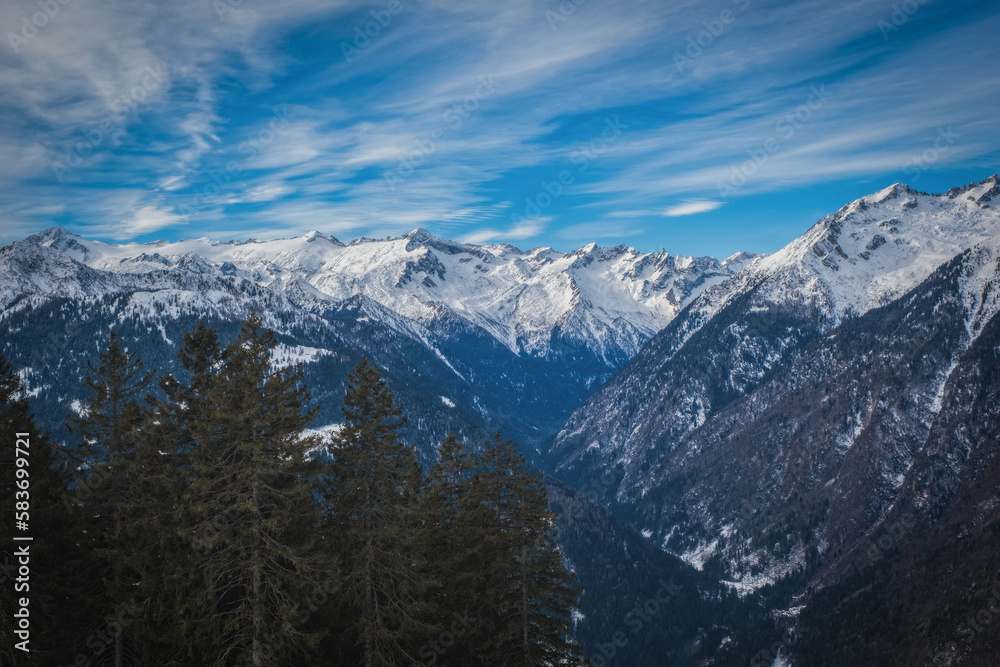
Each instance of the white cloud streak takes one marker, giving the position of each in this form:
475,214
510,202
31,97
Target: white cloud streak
691,208
350,124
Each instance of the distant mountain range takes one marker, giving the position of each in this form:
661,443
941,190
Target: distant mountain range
769,418
483,331
609,300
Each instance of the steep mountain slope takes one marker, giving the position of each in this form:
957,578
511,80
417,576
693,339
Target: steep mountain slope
924,582
813,458
844,435
740,333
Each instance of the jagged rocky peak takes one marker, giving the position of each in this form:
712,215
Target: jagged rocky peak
317,236
897,192
592,252
421,238
49,236
146,258
53,236
63,240
892,192
420,235
981,193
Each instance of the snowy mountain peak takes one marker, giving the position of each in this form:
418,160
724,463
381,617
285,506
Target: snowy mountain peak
740,260
49,236
55,237
420,235
421,238
62,240
320,236
891,192
865,255
879,246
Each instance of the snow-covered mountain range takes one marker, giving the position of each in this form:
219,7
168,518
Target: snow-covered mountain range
609,299
483,331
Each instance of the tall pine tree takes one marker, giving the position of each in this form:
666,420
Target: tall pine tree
529,591
375,480
251,496
451,551
172,579
109,426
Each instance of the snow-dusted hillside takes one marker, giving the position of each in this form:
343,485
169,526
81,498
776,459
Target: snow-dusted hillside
610,300
877,248
869,252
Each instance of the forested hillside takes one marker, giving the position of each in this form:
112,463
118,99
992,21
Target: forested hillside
197,525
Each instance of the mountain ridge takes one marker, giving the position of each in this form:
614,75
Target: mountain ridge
825,274
537,290
718,384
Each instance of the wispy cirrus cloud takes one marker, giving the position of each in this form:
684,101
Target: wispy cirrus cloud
194,148
691,208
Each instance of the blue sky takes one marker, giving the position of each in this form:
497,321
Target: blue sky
698,127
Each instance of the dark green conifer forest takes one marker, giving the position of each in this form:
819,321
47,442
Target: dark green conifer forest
191,522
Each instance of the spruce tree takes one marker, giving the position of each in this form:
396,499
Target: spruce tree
109,427
251,498
451,553
529,590
172,579
370,500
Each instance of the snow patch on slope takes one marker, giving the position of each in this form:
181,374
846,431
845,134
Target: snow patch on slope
699,556
284,355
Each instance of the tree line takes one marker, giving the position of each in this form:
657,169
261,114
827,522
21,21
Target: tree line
192,523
